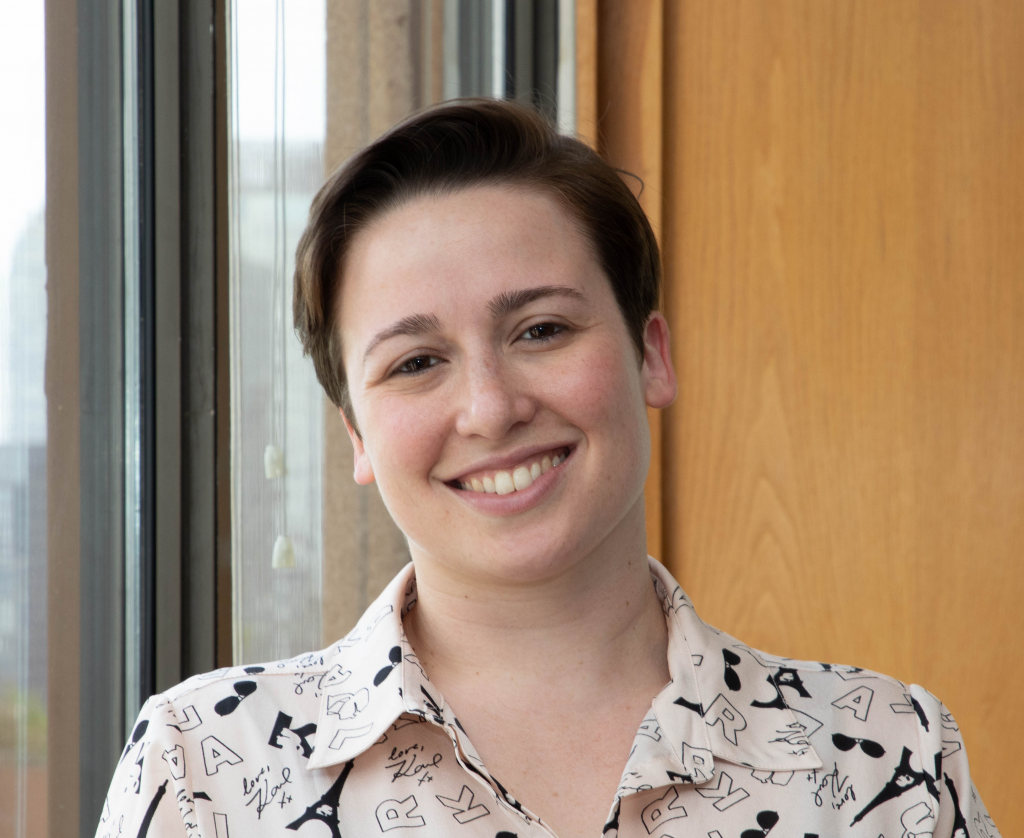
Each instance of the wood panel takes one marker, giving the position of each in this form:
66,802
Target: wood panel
844,189
586,71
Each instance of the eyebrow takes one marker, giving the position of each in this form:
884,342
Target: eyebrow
414,324
501,306
510,301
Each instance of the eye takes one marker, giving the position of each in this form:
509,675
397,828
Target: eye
542,331
419,364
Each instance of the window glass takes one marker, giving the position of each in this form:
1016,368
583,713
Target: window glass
22,424
276,159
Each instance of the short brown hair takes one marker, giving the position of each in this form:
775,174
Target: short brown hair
452,147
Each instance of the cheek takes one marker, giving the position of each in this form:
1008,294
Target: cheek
403,438
602,388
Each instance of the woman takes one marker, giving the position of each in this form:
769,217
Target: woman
478,296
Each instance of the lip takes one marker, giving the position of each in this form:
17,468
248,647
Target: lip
521,500
507,462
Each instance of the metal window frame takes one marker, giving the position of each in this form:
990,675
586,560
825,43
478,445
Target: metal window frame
100,554
135,198
188,339
181,340
514,49
176,537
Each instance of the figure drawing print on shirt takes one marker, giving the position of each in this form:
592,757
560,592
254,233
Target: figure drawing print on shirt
904,778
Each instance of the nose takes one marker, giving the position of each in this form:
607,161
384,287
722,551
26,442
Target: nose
493,400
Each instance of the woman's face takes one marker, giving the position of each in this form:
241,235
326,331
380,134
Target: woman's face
499,396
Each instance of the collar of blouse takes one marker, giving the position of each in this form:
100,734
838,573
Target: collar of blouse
724,700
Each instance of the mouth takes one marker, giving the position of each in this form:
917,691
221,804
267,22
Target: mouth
516,479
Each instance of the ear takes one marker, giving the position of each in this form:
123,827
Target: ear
363,471
658,374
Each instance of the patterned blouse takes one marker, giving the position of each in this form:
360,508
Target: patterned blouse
354,741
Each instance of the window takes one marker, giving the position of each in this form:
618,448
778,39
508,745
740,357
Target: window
182,495
23,590
277,118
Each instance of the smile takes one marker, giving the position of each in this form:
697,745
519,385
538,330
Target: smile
505,482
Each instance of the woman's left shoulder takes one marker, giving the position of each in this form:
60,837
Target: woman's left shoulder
906,734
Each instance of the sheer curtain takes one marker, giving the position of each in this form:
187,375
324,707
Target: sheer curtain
277,122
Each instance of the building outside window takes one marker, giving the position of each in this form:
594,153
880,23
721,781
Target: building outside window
23,566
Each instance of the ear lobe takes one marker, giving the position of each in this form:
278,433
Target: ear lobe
362,472
658,373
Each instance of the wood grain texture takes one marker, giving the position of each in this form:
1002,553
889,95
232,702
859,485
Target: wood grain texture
844,189
629,131
586,71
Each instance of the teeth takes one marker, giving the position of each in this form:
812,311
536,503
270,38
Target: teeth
522,477
503,483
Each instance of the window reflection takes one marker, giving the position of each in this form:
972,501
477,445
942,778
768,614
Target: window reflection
23,682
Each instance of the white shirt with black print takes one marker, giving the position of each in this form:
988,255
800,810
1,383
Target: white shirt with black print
354,741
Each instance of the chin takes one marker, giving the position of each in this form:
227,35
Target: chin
528,561
528,552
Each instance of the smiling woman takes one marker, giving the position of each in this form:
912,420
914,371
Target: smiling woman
527,355
478,296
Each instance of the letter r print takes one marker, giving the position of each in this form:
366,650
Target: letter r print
721,711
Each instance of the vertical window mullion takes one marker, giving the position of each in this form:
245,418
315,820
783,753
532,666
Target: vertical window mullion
139,363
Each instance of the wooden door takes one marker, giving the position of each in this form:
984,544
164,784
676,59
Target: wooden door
840,191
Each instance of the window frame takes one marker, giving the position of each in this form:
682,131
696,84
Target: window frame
146,256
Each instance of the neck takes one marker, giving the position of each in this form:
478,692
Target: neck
589,627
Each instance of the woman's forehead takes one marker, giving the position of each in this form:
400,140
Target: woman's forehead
467,246
481,218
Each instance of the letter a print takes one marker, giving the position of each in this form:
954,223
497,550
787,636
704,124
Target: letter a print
859,701
216,754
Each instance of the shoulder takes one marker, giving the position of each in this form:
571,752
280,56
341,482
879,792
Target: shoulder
216,729
236,696
308,665
853,696
220,713
233,697
897,738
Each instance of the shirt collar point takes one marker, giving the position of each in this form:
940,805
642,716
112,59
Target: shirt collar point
361,695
